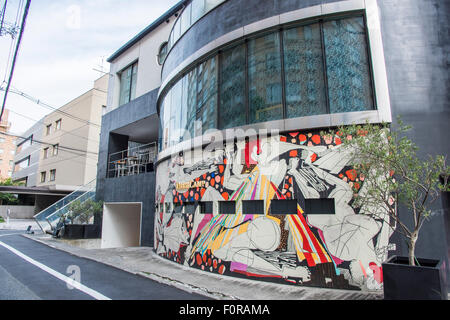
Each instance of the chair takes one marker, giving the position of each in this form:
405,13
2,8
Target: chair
121,167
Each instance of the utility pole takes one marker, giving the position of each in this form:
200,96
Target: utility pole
24,18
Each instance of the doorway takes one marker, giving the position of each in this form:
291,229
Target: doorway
121,225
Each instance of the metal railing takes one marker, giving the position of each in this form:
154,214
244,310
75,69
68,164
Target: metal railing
41,217
54,218
132,161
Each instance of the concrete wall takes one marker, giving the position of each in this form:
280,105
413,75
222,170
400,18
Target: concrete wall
75,168
17,212
34,151
149,71
136,188
121,225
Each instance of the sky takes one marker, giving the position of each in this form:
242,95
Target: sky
62,43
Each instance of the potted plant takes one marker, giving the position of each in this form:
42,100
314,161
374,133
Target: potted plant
81,214
395,176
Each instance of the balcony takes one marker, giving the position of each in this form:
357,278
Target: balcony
132,161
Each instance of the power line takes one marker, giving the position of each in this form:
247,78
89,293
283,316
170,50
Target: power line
50,144
45,105
25,14
3,16
65,132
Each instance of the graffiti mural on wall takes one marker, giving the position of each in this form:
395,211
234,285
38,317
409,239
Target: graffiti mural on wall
343,249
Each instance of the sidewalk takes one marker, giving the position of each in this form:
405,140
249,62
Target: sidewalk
19,224
143,261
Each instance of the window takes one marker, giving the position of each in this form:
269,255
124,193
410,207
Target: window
349,83
49,129
319,206
177,208
128,78
283,207
24,144
227,207
321,67
264,79
46,153
189,208
207,94
52,175
206,207
232,88
305,91
162,53
58,124
55,149
2,140
253,207
43,176
22,164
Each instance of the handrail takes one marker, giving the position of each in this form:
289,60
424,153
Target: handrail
42,215
132,160
54,217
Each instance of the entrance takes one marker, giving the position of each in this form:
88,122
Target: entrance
121,225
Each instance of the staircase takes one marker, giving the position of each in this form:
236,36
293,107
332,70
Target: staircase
48,218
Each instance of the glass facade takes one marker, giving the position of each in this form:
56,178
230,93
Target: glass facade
306,70
190,15
264,79
232,88
349,86
304,76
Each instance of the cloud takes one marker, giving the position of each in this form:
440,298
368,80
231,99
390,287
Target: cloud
63,42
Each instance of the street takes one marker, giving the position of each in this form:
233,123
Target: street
33,271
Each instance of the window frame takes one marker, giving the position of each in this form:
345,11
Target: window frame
280,29
55,148
58,124
52,176
131,95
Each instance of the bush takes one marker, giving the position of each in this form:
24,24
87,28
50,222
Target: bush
83,212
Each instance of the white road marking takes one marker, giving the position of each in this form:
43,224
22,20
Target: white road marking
67,280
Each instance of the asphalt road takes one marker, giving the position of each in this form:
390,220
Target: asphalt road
33,271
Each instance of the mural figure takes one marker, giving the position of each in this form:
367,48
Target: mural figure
343,249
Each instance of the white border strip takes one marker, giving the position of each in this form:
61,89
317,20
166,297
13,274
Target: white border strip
67,280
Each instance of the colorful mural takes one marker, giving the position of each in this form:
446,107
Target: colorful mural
343,249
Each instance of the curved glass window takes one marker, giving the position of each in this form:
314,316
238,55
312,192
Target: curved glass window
349,84
207,94
304,76
308,70
264,79
190,15
232,88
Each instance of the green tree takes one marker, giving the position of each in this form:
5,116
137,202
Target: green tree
83,211
395,175
8,198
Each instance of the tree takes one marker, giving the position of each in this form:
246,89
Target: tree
8,198
83,211
395,175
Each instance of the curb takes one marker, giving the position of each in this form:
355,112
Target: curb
153,276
